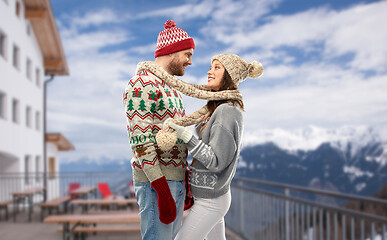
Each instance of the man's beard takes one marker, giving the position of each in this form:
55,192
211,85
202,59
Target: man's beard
176,68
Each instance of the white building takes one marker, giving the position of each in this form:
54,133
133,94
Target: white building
30,49
55,142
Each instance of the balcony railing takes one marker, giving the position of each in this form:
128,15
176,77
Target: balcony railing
58,183
272,211
259,210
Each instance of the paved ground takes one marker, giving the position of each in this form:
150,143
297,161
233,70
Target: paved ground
24,230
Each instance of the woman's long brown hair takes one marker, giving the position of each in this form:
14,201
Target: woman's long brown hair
227,84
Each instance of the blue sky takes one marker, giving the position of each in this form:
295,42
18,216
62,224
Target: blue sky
325,63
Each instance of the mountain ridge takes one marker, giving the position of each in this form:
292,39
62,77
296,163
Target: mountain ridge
326,167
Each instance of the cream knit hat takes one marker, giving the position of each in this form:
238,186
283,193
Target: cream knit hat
239,69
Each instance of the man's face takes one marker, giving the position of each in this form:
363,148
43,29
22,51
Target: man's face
179,61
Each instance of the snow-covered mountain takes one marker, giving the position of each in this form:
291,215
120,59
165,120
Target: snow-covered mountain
348,159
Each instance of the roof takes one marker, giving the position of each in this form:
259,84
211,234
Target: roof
41,17
60,141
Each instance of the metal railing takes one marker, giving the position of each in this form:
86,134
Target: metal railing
58,183
259,210
272,211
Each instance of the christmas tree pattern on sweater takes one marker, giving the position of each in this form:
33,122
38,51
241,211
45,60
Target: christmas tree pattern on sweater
149,101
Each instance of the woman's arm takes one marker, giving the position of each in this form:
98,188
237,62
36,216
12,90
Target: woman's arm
218,153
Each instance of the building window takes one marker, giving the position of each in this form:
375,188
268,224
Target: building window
17,8
27,169
28,117
29,69
3,105
3,45
16,57
37,168
15,111
51,167
37,121
38,80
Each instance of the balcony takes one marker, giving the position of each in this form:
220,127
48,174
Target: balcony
259,209
268,211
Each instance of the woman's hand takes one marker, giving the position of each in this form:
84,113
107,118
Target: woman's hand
181,132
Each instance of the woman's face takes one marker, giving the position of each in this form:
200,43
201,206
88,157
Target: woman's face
215,75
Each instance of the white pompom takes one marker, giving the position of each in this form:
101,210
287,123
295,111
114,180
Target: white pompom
166,140
256,70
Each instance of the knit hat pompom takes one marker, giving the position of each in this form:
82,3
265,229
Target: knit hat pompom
255,70
169,24
166,140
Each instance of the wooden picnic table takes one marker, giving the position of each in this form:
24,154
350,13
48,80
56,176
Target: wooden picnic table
119,201
26,194
54,203
84,191
121,217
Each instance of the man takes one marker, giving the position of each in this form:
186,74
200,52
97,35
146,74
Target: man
158,175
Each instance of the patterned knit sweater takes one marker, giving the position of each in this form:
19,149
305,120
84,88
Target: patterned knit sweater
216,152
149,102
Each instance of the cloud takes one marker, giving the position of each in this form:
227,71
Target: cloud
87,105
358,30
183,12
361,31
150,48
316,65
82,43
323,67
92,18
341,103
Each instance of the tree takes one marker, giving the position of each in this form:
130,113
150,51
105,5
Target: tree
153,107
142,106
170,103
130,105
176,104
161,105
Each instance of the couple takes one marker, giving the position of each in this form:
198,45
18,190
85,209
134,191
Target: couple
160,140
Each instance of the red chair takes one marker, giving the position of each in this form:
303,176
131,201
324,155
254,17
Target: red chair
104,190
72,187
132,194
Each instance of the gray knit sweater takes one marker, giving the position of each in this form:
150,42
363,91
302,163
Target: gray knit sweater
216,152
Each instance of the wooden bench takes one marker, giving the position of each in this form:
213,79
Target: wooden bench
107,203
54,204
79,221
4,206
82,231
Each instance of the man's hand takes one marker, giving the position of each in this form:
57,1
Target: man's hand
181,132
165,201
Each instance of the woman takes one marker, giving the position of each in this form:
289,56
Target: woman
216,151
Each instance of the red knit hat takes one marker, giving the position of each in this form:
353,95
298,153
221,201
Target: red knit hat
172,39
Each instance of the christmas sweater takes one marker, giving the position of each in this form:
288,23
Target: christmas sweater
149,102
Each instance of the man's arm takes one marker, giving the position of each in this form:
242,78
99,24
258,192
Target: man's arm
140,124
139,113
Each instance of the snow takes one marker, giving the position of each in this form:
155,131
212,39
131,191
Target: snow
356,172
312,137
360,186
378,237
241,163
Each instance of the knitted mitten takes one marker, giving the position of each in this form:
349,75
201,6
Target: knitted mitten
165,201
189,201
166,137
